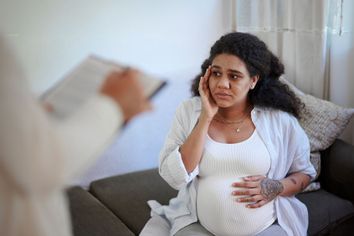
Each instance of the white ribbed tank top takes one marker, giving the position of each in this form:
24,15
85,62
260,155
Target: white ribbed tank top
221,165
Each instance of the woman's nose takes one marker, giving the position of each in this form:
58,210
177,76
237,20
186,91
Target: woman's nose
223,82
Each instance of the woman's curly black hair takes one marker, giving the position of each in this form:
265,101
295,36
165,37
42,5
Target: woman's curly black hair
269,91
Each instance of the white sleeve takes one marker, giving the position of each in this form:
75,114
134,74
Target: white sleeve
36,153
301,151
171,166
85,135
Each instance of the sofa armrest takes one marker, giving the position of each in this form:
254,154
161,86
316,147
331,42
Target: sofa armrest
91,217
127,195
337,169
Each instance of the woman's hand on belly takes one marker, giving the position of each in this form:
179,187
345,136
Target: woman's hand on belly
258,190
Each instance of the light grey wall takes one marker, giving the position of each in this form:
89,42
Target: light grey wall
158,36
166,38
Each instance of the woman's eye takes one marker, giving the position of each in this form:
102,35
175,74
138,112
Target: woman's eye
216,73
233,77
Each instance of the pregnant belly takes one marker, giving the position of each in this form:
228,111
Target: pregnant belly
219,212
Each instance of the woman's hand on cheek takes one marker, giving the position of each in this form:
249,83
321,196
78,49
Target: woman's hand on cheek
209,107
257,190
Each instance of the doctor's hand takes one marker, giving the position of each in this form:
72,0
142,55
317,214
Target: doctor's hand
125,89
257,190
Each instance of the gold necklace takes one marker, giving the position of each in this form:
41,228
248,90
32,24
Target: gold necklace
230,122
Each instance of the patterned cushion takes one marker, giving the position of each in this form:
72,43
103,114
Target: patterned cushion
323,122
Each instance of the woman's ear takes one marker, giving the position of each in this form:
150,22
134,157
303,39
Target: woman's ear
254,81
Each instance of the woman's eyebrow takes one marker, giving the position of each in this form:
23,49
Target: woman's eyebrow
236,71
230,70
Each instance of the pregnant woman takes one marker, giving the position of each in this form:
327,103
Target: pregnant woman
235,151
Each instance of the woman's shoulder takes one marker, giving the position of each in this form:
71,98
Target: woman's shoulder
281,121
188,112
190,105
278,115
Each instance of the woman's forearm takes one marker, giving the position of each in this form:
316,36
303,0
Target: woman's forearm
294,184
192,149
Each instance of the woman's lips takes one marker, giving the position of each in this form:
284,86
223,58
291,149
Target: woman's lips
223,96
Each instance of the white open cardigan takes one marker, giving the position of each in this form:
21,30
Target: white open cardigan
288,147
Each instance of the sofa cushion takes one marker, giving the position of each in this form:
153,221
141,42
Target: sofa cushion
325,210
323,121
338,169
344,228
90,217
127,195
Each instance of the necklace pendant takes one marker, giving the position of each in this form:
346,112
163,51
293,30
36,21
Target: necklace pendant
237,130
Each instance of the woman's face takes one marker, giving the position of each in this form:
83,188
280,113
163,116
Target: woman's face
230,81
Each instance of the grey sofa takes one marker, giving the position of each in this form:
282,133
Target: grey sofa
117,205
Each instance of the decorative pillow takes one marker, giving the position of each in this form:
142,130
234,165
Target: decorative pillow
322,121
